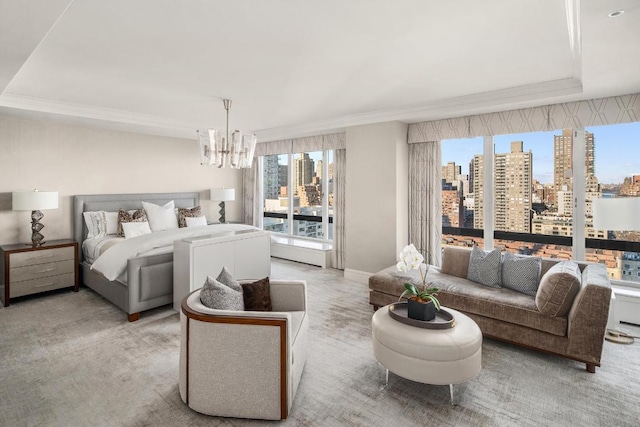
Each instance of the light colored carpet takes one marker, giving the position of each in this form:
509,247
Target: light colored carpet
72,359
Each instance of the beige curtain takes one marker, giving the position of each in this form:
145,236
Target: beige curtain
250,206
339,185
425,199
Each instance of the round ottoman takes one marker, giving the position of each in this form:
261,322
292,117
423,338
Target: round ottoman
431,356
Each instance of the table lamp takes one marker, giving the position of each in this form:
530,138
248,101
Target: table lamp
34,201
223,195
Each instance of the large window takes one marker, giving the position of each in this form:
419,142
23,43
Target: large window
532,193
298,195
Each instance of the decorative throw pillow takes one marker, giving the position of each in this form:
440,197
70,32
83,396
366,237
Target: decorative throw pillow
123,216
135,229
184,213
198,221
226,278
521,273
484,267
96,223
257,295
558,288
221,297
161,217
112,222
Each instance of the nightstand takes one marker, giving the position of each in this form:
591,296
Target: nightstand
31,270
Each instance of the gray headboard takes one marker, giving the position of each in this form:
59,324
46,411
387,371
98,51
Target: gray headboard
114,202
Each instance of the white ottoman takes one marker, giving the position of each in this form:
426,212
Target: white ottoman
431,356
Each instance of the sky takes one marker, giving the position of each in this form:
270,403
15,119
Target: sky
617,149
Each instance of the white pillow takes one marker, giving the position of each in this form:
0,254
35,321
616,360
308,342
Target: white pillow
135,229
112,222
197,221
161,217
96,224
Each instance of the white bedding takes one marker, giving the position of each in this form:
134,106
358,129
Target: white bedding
113,262
91,248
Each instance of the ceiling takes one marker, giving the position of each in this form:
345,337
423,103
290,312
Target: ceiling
295,68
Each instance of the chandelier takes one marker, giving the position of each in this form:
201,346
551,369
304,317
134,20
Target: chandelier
217,150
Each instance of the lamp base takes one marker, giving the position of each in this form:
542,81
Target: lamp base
222,212
36,237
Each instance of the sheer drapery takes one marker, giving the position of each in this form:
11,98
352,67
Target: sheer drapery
339,185
425,199
250,206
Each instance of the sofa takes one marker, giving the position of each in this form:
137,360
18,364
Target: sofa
552,319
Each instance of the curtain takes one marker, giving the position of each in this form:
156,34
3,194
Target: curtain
332,141
250,206
339,184
425,199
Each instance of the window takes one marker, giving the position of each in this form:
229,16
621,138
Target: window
298,195
532,194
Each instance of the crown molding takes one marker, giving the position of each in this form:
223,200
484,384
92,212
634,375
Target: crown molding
492,101
99,117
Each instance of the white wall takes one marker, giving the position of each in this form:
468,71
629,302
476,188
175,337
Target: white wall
54,156
376,196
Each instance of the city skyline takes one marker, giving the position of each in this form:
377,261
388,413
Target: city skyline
611,166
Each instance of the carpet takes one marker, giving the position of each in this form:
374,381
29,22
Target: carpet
72,359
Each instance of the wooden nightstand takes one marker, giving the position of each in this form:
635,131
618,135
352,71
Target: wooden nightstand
31,270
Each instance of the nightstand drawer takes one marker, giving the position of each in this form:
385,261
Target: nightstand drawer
31,272
22,259
43,284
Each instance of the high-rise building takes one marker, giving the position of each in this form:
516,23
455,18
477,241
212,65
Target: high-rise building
303,170
283,176
450,172
563,158
452,209
512,189
477,178
271,177
319,170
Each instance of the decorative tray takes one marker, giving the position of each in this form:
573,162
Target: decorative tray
443,320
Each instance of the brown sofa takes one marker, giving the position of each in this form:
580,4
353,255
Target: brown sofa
511,316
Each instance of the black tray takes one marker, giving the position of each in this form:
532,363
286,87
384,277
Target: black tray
443,320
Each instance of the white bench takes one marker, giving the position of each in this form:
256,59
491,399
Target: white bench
301,250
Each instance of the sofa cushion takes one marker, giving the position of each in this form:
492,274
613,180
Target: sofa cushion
455,261
484,267
521,273
558,288
497,303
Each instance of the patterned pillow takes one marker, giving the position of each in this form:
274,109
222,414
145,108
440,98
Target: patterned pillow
484,267
221,297
184,213
257,295
521,273
123,216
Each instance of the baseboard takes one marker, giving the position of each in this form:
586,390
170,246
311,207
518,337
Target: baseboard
357,275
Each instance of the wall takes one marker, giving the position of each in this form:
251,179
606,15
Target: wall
376,197
54,156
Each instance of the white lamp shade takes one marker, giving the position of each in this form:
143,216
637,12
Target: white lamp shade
619,213
223,194
34,200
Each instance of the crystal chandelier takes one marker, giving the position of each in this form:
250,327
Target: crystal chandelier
216,150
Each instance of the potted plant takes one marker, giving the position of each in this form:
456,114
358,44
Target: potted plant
422,303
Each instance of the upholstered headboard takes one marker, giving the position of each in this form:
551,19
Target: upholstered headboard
114,202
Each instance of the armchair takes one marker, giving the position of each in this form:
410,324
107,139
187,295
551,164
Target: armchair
244,364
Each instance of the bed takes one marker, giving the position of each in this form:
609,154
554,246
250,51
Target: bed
146,281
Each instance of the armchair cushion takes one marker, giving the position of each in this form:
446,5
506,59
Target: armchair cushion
257,295
220,296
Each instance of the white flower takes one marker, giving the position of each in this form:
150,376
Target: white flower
410,259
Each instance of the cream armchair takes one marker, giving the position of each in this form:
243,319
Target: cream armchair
244,364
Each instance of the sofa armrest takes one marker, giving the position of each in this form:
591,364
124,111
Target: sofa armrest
587,322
